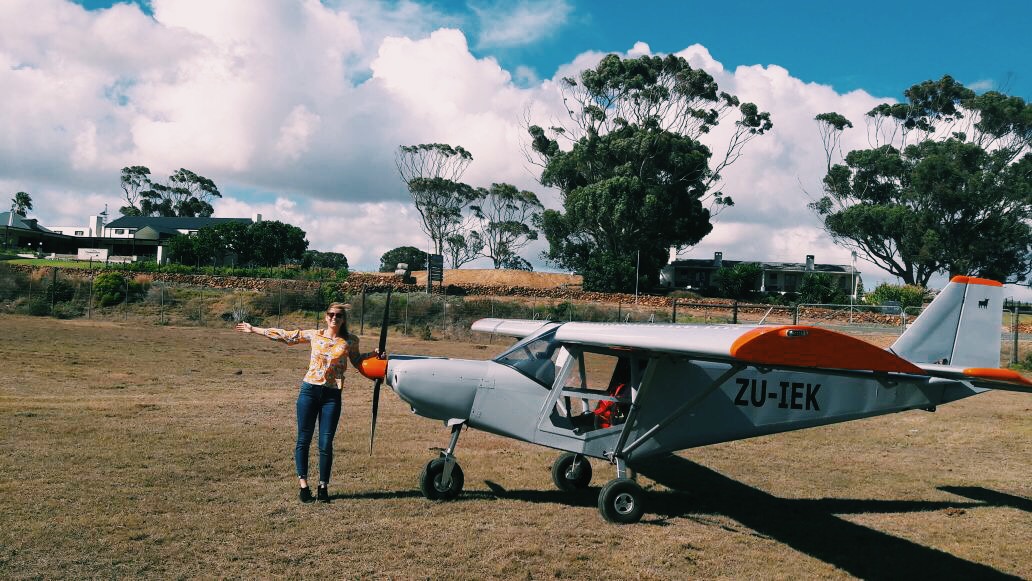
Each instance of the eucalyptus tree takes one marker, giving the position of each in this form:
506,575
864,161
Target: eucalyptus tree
945,188
185,194
431,172
633,173
505,214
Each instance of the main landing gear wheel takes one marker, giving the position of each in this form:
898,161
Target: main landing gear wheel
430,481
621,501
571,472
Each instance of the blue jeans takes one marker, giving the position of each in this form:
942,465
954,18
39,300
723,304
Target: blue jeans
324,403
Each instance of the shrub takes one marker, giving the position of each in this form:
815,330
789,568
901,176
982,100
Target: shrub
37,306
906,295
331,293
738,281
67,310
109,288
820,288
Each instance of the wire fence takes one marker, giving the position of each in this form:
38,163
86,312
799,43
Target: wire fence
286,304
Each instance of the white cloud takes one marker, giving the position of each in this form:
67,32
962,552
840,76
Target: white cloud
306,102
519,23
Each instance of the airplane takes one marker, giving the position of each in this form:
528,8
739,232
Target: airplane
625,392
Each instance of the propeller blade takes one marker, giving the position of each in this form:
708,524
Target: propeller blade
383,324
383,354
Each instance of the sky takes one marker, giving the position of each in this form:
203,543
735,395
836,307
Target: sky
296,108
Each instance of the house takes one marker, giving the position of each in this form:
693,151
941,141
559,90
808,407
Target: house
128,236
22,232
780,277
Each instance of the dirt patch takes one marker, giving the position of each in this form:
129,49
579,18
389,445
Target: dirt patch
464,276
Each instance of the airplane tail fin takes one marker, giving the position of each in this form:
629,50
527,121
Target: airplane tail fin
961,327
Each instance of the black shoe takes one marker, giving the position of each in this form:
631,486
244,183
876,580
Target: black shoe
305,494
322,494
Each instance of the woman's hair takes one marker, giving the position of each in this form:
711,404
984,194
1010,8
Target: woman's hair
344,308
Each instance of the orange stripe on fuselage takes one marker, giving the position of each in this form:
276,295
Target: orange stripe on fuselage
974,280
799,346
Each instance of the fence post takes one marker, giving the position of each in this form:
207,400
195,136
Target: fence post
161,309
89,302
53,290
125,303
362,325
734,312
673,317
406,312
1014,325
795,314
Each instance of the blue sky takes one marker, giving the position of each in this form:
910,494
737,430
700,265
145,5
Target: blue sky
880,46
295,108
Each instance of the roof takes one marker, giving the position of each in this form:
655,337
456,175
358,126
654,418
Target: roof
23,223
707,263
163,224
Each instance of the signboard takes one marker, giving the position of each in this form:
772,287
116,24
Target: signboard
436,267
93,254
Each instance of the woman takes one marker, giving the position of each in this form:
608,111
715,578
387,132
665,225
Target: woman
320,395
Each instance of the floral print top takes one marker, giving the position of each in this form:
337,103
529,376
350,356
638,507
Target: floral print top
329,355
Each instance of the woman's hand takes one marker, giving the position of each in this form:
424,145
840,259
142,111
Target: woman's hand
245,328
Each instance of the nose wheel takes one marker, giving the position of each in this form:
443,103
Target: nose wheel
435,485
442,478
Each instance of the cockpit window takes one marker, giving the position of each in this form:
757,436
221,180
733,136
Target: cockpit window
534,357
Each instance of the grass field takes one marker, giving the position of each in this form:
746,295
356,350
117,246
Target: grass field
158,451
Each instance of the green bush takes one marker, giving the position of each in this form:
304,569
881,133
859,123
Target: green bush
67,310
820,288
109,288
37,306
907,295
1025,364
331,293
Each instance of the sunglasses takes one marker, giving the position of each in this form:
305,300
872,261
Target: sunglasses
334,314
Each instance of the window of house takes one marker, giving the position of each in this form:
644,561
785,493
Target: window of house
120,231
79,233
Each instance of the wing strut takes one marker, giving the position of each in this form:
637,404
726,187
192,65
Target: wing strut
623,452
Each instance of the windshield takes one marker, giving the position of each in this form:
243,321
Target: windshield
534,357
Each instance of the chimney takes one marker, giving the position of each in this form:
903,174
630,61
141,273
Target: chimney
809,262
96,226
673,254
718,259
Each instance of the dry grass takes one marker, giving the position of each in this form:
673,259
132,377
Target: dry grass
149,451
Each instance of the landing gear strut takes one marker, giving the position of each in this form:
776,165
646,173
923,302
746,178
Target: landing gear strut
442,478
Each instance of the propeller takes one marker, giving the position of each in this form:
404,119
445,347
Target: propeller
379,380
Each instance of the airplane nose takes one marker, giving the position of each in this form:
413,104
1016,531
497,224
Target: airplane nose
441,389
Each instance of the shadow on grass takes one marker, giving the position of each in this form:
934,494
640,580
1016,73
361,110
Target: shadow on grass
812,527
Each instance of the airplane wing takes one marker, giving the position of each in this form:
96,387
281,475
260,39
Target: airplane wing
776,346
771,346
518,328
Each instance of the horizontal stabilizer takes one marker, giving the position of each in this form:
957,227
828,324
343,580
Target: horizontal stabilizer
984,377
